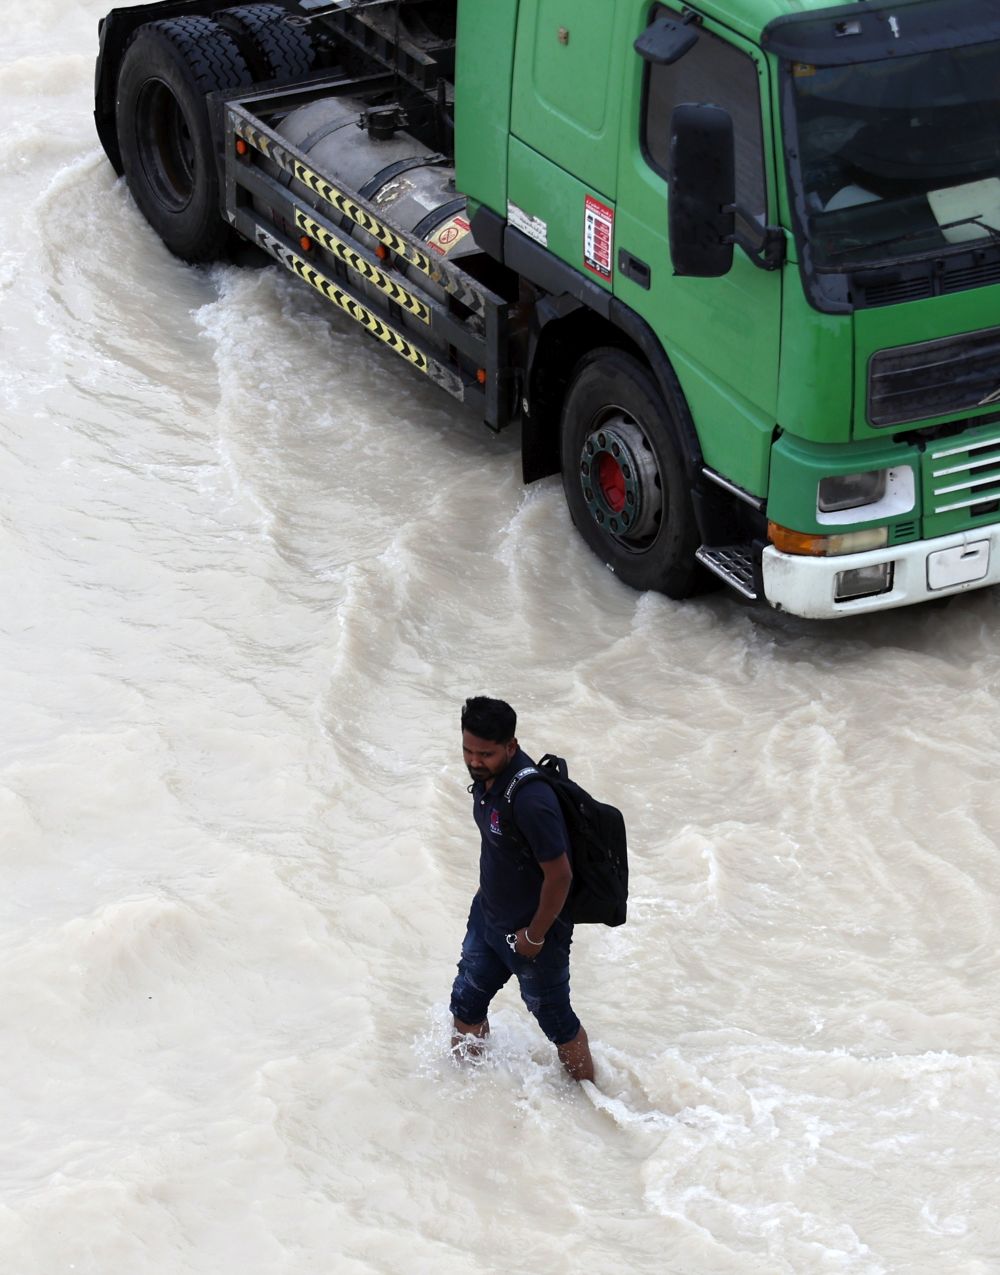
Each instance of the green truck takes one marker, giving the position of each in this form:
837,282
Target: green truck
732,267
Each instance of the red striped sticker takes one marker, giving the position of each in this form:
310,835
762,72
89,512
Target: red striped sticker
598,236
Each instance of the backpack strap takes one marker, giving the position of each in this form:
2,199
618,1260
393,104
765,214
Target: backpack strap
551,763
516,782
507,820
512,829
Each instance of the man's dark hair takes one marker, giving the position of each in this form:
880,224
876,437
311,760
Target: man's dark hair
489,719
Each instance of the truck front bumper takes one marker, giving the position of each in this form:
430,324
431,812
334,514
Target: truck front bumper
924,569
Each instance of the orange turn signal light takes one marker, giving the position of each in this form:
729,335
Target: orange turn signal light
381,251
481,375
813,545
241,146
789,541
305,243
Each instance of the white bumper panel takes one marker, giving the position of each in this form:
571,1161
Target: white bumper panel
925,569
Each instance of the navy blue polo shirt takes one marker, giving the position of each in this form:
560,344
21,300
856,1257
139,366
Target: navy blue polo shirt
510,880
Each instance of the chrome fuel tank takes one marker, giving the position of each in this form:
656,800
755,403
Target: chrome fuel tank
364,149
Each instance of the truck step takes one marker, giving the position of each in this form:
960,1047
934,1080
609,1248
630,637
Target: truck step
732,563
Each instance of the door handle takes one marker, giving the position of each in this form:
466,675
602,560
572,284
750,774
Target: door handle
634,269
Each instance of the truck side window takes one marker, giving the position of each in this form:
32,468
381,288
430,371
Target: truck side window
713,71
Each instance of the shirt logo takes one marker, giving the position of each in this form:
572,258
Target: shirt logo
495,822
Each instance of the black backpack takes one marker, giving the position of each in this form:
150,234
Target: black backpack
599,893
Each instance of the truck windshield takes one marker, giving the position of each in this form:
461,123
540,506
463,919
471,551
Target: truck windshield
899,157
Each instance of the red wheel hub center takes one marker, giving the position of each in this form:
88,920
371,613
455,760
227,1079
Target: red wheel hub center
612,482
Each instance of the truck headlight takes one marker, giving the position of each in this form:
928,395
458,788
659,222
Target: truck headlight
848,491
866,496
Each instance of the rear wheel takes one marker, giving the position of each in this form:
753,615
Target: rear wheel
163,129
274,48
623,477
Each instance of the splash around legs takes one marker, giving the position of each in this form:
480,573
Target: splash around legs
575,1057
468,1044
468,1040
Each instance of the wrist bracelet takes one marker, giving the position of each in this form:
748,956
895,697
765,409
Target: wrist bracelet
529,939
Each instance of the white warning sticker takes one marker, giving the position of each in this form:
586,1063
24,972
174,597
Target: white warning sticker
449,236
598,236
528,225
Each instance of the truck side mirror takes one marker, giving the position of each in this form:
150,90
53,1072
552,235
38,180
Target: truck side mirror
701,216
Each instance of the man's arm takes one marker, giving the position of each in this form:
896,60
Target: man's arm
557,876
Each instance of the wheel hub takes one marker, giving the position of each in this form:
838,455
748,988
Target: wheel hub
166,148
620,481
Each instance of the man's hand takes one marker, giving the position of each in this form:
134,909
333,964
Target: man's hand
556,879
523,946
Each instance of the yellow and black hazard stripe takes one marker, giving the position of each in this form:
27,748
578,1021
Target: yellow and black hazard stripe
337,199
344,204
361,314
371,273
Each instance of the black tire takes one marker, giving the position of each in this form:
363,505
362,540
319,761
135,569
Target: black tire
274,49
623,476
163,130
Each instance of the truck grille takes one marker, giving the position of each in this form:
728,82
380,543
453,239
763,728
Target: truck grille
962,482
916,382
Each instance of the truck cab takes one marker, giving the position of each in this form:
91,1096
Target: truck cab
842,366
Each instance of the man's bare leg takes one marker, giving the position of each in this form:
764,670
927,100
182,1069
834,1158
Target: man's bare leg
461,1045
575,1057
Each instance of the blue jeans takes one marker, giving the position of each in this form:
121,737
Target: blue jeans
487,963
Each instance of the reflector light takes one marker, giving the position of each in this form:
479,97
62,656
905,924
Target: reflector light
241,146
305,243
481,376
381,252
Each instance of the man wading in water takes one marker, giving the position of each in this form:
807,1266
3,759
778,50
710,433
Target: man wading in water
516,923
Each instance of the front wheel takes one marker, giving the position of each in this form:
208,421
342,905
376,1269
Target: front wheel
622,475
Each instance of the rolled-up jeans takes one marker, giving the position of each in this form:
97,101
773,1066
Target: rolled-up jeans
487,963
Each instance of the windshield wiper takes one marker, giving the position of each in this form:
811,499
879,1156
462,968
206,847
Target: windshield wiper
976,220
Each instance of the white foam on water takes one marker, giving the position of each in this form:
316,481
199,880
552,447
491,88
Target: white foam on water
621,1113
